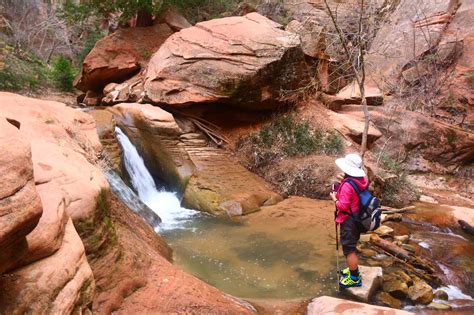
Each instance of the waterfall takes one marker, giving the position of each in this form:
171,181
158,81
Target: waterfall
128,197
165,204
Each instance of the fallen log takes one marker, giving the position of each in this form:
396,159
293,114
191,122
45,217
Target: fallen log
390,247
399,252
431,278
390,210
391,217
466,227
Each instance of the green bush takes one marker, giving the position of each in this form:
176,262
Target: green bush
390,164
397,191
285,136
298,138
21,71
63,73
199,10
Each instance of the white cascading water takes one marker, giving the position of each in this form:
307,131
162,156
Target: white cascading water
163,203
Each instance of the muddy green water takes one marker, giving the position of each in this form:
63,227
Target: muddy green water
275,259
256,260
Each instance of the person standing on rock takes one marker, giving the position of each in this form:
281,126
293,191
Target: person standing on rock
347,204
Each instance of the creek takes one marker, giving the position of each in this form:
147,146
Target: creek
262,257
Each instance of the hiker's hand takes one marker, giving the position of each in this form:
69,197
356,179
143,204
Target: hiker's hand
333,196
340,176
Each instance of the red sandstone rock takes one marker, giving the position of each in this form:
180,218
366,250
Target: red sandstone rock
120,55
330,305
59,284
20,206
244,61
63,141
428,144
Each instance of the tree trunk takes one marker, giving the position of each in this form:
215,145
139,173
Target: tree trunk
144,18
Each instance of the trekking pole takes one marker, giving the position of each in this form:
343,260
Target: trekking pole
337,258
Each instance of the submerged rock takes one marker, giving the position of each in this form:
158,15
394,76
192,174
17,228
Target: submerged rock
243,61
371,282
441,295
439,306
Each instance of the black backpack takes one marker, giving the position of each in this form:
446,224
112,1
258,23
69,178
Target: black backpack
369,215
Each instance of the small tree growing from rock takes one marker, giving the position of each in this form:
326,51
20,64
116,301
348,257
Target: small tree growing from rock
357,62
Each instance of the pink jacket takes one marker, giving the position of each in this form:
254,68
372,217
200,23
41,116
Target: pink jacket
347,198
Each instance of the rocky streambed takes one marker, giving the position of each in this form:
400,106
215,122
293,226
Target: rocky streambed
285,251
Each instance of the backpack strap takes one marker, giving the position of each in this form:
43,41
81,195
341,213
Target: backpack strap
354,185
357,190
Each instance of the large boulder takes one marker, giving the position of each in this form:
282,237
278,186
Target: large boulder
176,152
243,61
20,205
120,55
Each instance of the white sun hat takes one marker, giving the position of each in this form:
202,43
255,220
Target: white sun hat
351,164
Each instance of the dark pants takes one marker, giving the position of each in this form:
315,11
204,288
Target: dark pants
350,235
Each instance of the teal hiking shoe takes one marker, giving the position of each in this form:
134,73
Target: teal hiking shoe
348,281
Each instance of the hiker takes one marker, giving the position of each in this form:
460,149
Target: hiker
347,204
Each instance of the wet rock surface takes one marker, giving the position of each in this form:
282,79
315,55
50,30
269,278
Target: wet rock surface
386,299
420,292
371,282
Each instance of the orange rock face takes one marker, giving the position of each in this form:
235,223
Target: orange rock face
55,277
239,60
428,144
47,271
20,205
120,55
59,284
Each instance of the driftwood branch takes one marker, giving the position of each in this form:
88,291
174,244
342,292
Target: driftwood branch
390,210
423,265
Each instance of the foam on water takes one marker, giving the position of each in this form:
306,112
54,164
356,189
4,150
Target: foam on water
424,245
165,204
